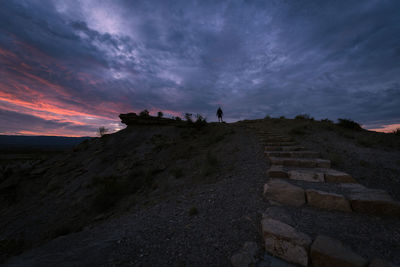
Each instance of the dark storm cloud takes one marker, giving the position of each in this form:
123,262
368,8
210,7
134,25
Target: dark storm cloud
326,58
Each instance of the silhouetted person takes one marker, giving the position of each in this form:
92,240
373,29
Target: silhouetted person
219,114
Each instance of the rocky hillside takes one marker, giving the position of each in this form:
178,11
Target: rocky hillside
167,192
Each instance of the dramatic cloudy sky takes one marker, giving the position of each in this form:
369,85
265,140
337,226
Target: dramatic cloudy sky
68,67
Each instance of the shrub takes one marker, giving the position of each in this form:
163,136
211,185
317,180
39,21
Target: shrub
178,118
267,117
177,173
397,131
160,114
102,131
303,117
349,124
193,211
326,120
200,121
282,117
188,117
144,113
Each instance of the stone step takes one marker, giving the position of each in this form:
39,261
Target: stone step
354,198
284,148
300,162
311,175
326,251
372,201
280,143
285,242
276,139
292,154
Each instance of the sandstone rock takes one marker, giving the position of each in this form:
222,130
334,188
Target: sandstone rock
334,176
305,175
283,192
376,202
277,172
323,163
328,201
285,242
326,252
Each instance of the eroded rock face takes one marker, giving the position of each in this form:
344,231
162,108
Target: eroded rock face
285,193
328,201
133,119
327,252
285,242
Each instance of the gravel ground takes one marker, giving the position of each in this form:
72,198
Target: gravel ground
229,214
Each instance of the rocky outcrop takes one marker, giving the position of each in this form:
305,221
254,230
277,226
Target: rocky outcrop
134,119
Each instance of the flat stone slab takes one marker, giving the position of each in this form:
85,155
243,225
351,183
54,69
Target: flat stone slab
277,172
281,143
304,175
292,154
334,176
376,202
328,201
300,162
285,193
285,242
284,148
326,252
310,175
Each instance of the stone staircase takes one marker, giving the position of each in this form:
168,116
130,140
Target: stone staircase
300,179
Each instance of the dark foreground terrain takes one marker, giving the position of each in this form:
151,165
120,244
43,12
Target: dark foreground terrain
180,195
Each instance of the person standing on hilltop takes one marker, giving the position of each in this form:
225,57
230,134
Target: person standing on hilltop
219,114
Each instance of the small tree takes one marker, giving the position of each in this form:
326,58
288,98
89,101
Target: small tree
188,117
102,131
160,114
144,113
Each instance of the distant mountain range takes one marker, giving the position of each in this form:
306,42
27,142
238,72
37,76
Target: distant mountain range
42,142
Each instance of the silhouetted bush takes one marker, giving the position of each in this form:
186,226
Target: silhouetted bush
349,124
160,114
102,131
303,117
326,120
396,132
267,117
193,211
188,117
282,117
200,121
144,113
178,118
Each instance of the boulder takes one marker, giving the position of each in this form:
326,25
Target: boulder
328,201
285,242
327,252
283,192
